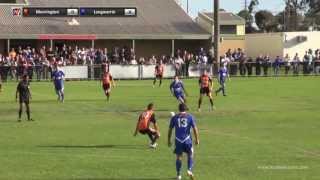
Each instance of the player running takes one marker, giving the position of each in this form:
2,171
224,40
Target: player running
178,90
182,123
159,70
206,85
143,125
223,75
107,81
58,81
23,90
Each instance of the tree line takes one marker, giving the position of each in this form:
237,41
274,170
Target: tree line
297,15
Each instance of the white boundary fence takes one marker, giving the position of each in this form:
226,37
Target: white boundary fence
130,71
93,72
75,72
138,71
125,72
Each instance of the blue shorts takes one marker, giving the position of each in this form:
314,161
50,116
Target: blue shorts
185,147
59,85
222,81
179,96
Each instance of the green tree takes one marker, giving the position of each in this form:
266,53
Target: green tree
313,6
247,14
290,19
294,14
266,21
312,13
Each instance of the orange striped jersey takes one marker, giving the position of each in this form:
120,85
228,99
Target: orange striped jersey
145,118
159,69
205,81
107,78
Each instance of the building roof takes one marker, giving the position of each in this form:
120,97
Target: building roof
226,18
156,19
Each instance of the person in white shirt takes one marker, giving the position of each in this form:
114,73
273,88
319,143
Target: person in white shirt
225,60
133,61
287,63
178,65
296,62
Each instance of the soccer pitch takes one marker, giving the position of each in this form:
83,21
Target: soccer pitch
265,128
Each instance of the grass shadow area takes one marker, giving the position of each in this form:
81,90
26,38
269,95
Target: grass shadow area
109,146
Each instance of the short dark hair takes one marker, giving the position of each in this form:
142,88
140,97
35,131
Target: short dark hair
182,107
150,106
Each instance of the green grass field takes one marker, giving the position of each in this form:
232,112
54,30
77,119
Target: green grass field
265,129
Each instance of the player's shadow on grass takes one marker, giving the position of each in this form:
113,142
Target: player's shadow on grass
158,110
109,146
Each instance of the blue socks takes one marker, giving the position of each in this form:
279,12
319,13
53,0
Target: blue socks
190,162
178,166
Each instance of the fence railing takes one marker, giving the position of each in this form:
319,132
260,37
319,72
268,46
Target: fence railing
93,72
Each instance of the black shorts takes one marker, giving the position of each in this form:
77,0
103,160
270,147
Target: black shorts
159,76
147,131
24,100
106,87
205,90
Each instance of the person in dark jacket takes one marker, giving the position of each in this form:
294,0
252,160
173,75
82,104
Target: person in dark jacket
265,65
249,65
258,65
276,65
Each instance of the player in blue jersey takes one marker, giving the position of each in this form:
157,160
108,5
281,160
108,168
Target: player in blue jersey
182,123
58,81
177,89
222,77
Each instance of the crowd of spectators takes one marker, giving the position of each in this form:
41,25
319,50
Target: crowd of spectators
238,61
38,62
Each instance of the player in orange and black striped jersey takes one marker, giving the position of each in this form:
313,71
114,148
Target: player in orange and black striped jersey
143,125
158,72
206,85
107,81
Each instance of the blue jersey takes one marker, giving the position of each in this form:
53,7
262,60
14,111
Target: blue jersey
177,87
182,122
57,77
223,73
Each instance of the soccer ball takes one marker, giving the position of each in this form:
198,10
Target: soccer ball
172,114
